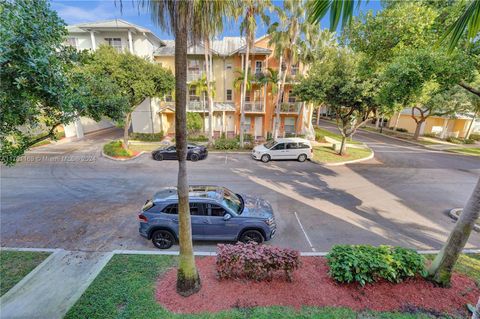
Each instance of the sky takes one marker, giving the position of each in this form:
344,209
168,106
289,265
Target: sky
79,11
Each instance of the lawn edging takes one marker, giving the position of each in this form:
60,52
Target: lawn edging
369,157
454,214
123,159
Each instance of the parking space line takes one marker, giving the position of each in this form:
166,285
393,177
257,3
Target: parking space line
226,156
304,232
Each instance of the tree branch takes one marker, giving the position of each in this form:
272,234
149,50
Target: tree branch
469,88
51,133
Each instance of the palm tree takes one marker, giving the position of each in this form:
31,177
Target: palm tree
250,10
204,89
286,37
210,23
272,77
176,16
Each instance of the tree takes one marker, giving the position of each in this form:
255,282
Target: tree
204,89
250,9
337,81
419,79
137,77
194,122
210,23
287,36
41,85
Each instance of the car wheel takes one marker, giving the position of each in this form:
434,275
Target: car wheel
163,239
158,157
265,158
302,158
252,235
194,157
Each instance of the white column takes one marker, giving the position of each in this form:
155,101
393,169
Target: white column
444,128
92,38
79,128
130,42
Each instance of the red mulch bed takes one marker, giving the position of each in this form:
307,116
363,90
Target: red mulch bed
312,286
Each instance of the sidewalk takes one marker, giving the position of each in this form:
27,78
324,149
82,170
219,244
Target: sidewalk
54,286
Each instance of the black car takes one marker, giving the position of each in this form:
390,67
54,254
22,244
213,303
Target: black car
195,153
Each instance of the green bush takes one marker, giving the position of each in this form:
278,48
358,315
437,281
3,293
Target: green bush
147,137
226,144
430,135
365,264
115,149
469,141
402,130
475,137
194,122
319,137
197,138
455,140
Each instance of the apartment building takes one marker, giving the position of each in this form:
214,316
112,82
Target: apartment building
227,58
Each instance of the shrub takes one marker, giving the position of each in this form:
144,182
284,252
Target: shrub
147,137
365,264
455,140
255,262
194,122
197,138
430,135
115,148
319,137
226,144
402,130
475,137
469,141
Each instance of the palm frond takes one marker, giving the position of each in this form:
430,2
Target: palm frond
469,20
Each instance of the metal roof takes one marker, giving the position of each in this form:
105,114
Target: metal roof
111,25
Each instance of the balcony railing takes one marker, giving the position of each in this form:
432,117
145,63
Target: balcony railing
290,107
196,106
254,107
194,76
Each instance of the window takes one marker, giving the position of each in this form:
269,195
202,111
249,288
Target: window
168,98
171,209
247,97
246,125
197,209
280,146
171,149
192,93
228,67
303,145
114,43
229,95
292,146
73,42
291,97
194,66
295,68
258,67
289,125
257,95
216,210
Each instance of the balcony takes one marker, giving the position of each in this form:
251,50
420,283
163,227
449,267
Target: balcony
194,76
196,106
290,107
254,107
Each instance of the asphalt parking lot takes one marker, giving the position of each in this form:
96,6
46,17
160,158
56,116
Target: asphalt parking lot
68,196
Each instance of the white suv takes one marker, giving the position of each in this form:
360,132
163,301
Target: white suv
283,148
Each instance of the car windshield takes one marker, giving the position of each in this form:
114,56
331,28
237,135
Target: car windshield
232,201
269,144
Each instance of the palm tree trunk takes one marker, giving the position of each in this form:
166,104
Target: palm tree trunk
244,92
209,92
441,269
126,127
277,108
188,281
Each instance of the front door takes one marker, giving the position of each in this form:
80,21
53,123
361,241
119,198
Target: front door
278,151
258,126
217,227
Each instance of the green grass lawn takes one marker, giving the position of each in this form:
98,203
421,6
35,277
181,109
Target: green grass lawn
335,136
325,154
148,147
125,288
14,265
467,151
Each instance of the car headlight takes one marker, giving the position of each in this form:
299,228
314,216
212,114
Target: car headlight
270,221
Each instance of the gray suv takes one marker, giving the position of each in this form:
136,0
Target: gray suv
216,214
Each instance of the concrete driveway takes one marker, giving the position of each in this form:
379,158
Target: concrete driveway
76,199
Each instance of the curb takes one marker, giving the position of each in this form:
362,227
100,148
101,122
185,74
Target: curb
123,159
214,253
453,214
369,157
